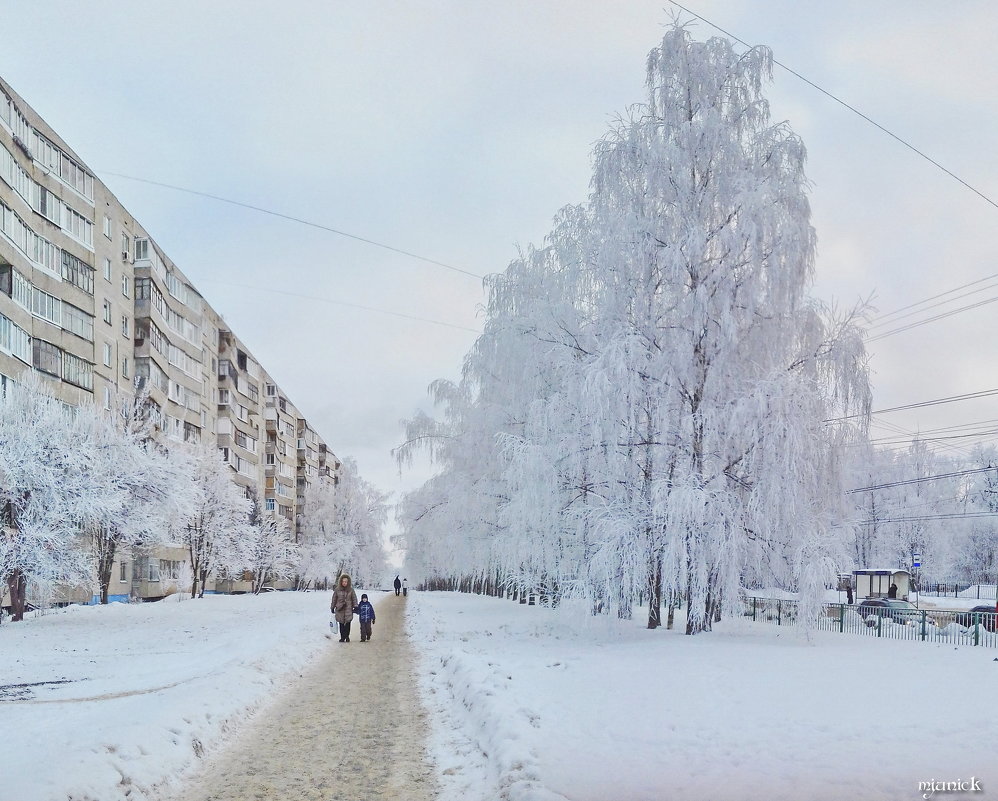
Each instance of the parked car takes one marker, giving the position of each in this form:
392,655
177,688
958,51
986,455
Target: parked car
891,608
986,617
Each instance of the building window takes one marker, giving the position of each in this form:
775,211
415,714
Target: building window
223,397
124,367
46,357
77,371
77,322
107,270
126,246
107,354
125,325
271,458
122,570
107,398
153,574
77,272
107,226
124,285
143,288
270,505
107,312
141,249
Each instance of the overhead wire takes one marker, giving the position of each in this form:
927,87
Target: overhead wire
922,479
984,393
881,319
843,103
347,304
299,220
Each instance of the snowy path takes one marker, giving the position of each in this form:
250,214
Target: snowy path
352,728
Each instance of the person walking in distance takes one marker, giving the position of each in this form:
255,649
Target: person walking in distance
398,585
342,606
405,586
365,611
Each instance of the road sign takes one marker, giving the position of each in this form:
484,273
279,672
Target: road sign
916,559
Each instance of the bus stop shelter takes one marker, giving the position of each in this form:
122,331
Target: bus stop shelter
877,583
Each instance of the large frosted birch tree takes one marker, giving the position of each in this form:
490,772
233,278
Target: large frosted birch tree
668,380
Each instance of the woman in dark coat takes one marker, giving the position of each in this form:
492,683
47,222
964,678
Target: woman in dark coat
342,606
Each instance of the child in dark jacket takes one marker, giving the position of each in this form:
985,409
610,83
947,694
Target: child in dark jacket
365,610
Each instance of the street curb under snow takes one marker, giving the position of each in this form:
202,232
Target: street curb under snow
477,722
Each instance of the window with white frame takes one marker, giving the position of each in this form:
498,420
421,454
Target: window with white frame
107,226
46,306
107,397
125,288
77,371
78,322
125,325
107,311
107,270
124,367
107,354
126,246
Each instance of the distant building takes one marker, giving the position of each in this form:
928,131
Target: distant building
89,301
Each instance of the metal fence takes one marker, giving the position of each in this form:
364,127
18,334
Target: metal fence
925,625
987,592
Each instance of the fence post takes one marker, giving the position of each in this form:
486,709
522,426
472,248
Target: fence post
842,618
779,612
977,627
880,623
923,625
753,607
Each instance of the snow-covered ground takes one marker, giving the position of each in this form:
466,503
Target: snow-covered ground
145,688
523,705
526,707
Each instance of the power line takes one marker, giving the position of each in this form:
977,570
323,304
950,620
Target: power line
984,393
909,326
299,220
880,319
269,290
842,102
923,518
906,482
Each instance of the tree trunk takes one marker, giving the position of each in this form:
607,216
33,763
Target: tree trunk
17,585
105,561
655,592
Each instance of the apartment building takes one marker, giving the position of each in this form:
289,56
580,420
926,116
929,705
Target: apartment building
90,301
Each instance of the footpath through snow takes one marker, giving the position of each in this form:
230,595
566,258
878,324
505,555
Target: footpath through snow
124,701
528,707
351,729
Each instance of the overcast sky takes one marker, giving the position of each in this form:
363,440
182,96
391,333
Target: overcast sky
455,129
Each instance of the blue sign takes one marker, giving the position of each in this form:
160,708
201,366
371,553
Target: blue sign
916,560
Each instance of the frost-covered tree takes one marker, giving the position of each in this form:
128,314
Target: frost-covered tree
48,493
215,531
343,528
975,546
644,415
151,485
270,552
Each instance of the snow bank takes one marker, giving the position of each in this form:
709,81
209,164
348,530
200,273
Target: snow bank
123,699
751,712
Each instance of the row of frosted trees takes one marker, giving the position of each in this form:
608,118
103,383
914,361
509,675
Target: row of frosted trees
80,487
656,408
